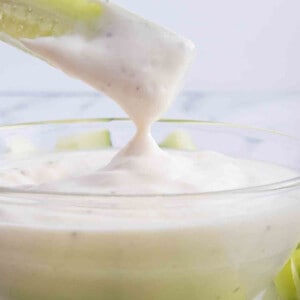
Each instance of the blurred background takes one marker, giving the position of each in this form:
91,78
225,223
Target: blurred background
246,70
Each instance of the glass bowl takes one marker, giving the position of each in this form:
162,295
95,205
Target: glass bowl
211,246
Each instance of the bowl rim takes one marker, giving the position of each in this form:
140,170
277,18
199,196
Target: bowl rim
280,186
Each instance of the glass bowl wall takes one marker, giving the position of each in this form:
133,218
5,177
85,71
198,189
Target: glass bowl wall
223,245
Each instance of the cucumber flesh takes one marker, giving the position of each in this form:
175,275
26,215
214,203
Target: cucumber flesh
41,18
296,277
287,282
85,141
179,140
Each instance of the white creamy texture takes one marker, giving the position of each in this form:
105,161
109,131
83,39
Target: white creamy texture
139,65
135,62
230,249
170,173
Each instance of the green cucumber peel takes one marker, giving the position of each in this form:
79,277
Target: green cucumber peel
41,18
287,282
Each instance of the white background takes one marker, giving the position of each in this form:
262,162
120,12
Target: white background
243,45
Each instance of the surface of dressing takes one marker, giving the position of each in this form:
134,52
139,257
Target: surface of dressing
174,172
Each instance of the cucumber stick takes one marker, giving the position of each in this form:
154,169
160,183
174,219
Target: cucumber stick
40,18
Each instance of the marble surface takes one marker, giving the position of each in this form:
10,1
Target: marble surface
276,111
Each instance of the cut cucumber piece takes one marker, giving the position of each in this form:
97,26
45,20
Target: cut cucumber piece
179,140
288,280
85,141
296,277
296,270
40,18
297,258
285,283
